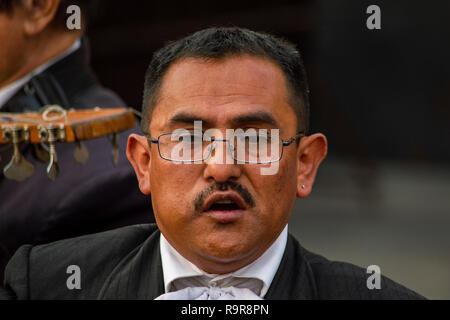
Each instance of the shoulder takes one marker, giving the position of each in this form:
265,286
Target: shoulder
43,271
342,280
110,242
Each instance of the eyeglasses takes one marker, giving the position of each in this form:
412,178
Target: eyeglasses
249,147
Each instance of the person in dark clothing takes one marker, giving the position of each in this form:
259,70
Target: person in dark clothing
221,200
44,63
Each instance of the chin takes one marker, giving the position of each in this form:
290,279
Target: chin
225,251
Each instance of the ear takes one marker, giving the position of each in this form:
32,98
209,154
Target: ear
310,153
139,154
38,14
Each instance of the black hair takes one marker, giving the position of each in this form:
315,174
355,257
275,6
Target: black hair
220,43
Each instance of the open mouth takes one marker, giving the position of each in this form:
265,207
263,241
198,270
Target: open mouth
225,207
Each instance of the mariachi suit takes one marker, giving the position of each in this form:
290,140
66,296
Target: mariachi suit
83,199
126,264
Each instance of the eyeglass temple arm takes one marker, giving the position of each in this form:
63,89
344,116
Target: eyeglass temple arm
288,142
149,138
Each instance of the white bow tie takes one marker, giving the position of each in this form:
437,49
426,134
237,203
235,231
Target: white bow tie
210,293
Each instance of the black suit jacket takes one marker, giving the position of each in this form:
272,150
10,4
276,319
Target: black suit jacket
83,199
126,264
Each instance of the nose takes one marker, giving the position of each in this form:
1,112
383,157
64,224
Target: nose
220,166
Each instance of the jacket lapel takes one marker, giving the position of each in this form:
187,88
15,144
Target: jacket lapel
294,279
139,275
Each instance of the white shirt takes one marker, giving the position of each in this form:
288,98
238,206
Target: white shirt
179,273
7,92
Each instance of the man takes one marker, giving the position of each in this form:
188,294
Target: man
221,211
43,62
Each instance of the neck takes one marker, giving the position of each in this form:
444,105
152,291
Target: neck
41,49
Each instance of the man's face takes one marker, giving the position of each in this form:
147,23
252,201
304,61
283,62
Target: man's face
219,215
227,94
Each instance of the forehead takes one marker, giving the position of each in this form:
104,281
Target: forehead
221,90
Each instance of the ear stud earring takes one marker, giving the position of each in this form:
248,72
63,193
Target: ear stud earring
303,186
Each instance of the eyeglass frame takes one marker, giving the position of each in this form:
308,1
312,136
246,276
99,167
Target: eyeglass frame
283,144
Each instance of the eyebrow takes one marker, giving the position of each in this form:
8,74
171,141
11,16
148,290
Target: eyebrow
186,118
263,117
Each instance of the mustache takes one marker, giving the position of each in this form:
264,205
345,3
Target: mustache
228,185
